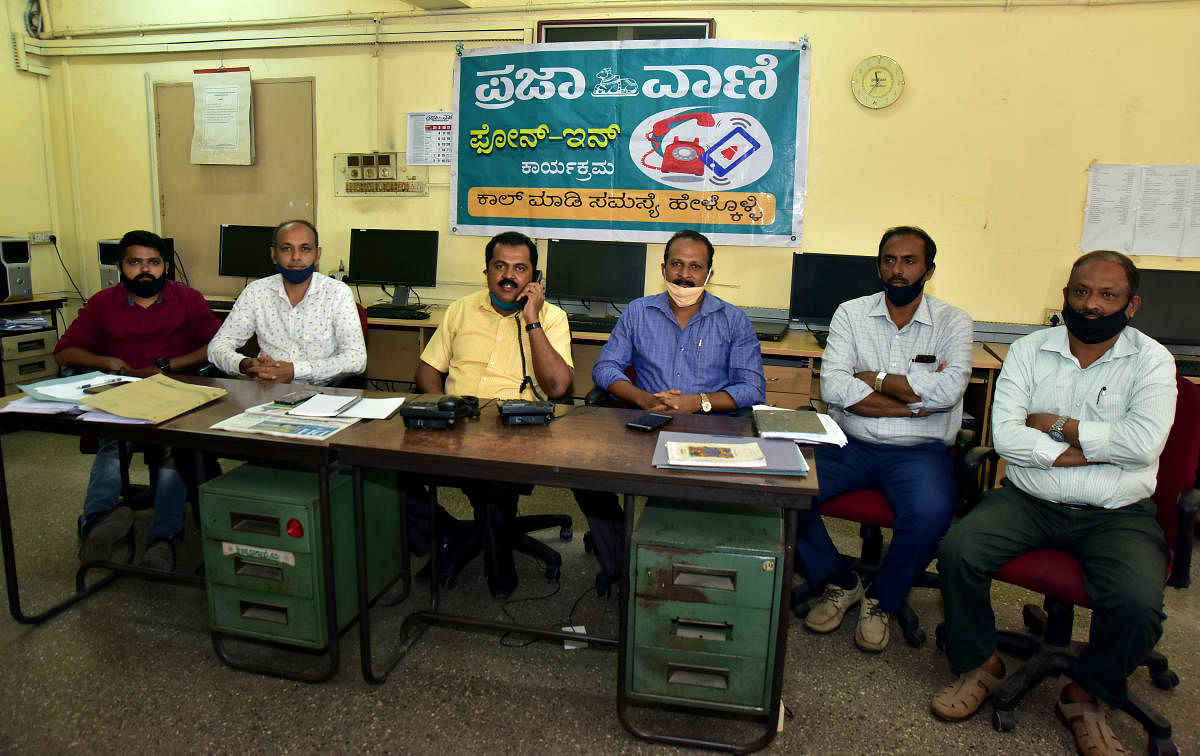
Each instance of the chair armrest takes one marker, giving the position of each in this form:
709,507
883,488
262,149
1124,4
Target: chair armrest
819,406
599,397
975,457
1181,567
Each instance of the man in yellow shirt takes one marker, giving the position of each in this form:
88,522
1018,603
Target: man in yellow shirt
505,342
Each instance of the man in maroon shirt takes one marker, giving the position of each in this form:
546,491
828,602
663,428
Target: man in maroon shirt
144,325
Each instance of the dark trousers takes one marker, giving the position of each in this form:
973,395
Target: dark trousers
1124,560
918,483
495,506
606,521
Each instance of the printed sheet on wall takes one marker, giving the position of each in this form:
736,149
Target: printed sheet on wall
633,140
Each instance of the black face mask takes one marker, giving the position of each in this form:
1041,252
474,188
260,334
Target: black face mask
902,295
144,287
1093,330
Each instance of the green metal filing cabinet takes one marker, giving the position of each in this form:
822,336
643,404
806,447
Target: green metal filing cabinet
704,605
262,551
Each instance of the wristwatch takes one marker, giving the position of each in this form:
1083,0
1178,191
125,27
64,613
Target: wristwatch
879,380
705,405
164,364
533,325
1056,430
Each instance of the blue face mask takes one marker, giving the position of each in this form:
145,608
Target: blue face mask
505,306
296,276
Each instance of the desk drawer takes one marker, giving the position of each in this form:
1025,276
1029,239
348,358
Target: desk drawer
266,616
689,626
788,380
257,523
671,573
719,680
22,345
30,368
274,571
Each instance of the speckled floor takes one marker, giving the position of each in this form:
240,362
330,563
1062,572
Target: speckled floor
133,669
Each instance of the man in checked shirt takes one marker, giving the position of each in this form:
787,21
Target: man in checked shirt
893,373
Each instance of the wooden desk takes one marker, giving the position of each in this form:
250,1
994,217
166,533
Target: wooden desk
189,431
585,447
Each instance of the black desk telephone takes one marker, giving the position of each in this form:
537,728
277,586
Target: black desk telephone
438,412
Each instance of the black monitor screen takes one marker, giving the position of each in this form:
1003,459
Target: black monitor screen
246,251
822,282
1169,313
608,271
109,251
393,257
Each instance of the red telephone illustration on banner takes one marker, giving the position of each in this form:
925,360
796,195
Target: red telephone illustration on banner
680,156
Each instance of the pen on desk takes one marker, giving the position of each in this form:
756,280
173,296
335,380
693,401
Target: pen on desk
1102,390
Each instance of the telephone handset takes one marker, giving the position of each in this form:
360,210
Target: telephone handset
681,156
662,127
537,276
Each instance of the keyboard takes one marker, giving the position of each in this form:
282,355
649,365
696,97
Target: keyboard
396,312
220,305
769,330
1190,368
591,324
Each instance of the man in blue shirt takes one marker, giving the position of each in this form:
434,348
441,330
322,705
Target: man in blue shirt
690,352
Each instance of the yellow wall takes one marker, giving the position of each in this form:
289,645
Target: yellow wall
988,148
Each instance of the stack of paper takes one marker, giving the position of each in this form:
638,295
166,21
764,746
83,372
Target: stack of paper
335,405
698,451
274,420
801,426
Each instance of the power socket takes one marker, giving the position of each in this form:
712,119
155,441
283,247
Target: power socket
1053,317
40,237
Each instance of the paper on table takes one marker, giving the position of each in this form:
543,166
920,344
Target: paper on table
97,416
374,408
70,388
38,407
833,434
156,398
324,405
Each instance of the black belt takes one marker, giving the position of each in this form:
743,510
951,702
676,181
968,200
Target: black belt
1077,505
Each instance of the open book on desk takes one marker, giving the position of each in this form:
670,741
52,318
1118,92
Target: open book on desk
729,454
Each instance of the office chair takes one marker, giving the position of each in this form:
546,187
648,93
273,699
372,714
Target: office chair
1048,648
458,553
870,510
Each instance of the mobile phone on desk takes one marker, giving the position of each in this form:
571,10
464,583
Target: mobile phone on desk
649,421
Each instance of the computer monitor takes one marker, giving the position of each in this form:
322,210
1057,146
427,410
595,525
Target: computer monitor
245,251
109,253
596,272
821,282
392,257
1169,313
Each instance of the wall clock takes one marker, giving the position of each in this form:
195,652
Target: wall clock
877,81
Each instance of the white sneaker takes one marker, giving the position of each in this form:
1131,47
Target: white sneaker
827,612
873,622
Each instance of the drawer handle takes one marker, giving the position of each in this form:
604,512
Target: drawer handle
265,612
703,677
252,523
701,630
253,569
692,576
32,367
31,345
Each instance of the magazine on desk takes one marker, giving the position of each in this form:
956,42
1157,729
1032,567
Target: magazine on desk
700,451
273,420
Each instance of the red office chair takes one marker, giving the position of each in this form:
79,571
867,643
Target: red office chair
870,509
1048,648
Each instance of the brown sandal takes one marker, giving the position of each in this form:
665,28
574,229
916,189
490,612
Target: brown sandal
1086,720
963,697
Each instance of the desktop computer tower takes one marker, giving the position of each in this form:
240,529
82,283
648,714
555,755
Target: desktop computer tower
15,280
109,252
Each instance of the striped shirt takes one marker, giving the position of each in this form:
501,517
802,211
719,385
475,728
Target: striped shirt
1125,404
717,351
862,337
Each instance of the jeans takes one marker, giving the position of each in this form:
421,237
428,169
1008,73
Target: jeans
918,483
104,489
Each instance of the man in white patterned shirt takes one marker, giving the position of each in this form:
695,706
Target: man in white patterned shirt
894,372
307,324
1081,415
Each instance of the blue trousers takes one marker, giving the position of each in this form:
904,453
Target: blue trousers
918,483
104,490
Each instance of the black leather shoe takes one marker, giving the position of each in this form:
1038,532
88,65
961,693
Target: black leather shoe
605,583
502,587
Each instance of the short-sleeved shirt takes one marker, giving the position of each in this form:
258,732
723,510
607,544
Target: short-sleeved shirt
111,324
477,348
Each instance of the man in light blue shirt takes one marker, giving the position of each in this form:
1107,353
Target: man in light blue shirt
690,352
